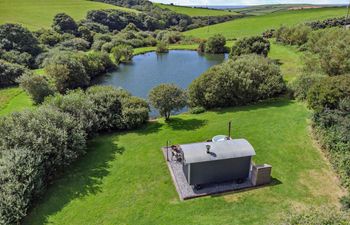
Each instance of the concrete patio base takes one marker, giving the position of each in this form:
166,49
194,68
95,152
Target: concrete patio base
186,191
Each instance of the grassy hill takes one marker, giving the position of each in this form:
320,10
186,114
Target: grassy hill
36,14
195,11
255,25
264,9
124,179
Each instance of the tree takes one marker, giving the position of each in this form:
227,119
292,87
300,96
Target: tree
9,72
216,44
122,53
37,86
167,98
247,79
67,71
162,47
16,37
250,45
63,23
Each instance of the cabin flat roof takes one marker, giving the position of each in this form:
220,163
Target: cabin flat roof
228,149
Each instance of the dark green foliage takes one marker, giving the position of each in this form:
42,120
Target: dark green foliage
78,44
97,63
345,202
13,56
15,37
67,71
85,33
48,37
167,98
327,93
201,46
135,111
33,146
323,216
122,53
63,23
37,86
216,44
9,73
257,45
162,47
296,35
331,22
170,37
302,84
247,79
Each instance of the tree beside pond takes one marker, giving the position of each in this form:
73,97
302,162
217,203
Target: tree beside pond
162,47
216,44
251,45
122,53
167,98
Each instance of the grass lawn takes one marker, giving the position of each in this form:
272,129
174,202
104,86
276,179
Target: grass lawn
255,25
13,99
195,11
124,180
36,14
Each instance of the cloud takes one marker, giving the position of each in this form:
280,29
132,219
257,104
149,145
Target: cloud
249,2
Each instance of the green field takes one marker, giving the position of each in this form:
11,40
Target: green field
13,99
36,14
195,11
123,179
255,25
264,9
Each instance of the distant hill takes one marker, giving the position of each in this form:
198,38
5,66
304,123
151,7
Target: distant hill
35,14
195,11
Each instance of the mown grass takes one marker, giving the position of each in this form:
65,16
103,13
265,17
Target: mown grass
36,14
255,25
13,99
123,179
187,10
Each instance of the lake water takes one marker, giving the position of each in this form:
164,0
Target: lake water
149,70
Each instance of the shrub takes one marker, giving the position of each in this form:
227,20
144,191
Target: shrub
78,44
135,111
327,93
67,71
302,84
162,47
24,58
16,37
201,46
96,63
123,53
63,23
33,146
167,98
345,202
197,110
37,86
296,35
250,45
216,44
9,73
48,37
249,78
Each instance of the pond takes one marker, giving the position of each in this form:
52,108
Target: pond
149,70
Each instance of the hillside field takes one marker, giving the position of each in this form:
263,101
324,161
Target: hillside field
195,11
255,25
36,14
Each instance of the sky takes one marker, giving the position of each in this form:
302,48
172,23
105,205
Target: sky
248,2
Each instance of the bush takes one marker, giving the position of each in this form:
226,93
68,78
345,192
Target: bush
249,78
135,111
96,63
162,47
37,86
33,146
216,44
296,35
9,73
48,37
345,202
167,98
63,23
197,110
250,45
24,58
201,46
67,71
302,84
16,37
122,53
327,93
78,44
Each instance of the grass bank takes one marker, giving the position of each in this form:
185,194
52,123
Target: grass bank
36,14
13,99
255,25
124,180
191,11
